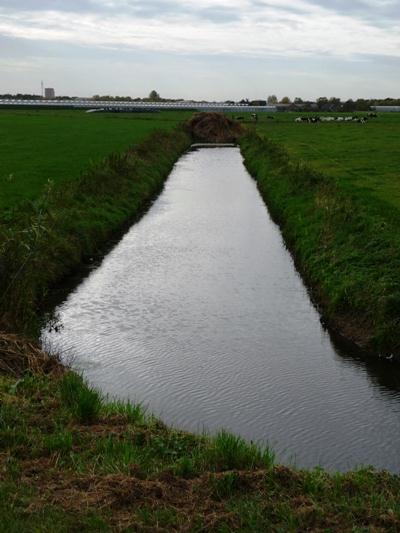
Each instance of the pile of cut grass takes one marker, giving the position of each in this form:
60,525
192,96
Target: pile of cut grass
214,128
69,460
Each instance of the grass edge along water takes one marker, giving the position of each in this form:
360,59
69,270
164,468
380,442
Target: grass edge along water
44,240
72,459
345,243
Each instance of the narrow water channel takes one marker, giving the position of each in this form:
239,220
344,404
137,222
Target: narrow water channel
199,314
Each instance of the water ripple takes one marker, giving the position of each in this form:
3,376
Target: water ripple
199,314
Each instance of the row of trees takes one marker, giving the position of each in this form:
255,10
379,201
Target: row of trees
26,96
321,104
334,104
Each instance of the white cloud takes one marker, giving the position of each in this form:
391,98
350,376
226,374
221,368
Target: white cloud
274,27
9,64
202,48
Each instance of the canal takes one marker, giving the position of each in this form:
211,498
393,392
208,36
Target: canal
199,314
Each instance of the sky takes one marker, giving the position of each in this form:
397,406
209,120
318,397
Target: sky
202,49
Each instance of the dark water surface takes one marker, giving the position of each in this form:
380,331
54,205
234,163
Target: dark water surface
200,314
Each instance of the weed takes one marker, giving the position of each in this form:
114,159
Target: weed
133,413
84,402
115,455
226,485
185,467
60,441
158,517
228,452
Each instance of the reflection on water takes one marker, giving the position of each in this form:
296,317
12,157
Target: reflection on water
199,313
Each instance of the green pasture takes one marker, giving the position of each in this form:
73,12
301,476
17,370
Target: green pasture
57,145
363,155
41,145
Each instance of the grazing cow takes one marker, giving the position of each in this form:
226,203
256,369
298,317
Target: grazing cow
372,115
298,119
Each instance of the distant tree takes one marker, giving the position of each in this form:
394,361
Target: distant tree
272,99
363,105
298,100
335,104
154,96
349,106
322,103
285,100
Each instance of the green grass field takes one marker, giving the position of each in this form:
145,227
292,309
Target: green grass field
36,146
366,155
69,459
41,145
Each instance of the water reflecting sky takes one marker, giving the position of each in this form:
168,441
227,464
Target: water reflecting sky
199,313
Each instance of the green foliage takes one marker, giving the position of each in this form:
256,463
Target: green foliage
84,402
226,485
228,452
345,240
60,441
185,467
116,455
43,241
149,517
144,476
359,155
58,145
132,413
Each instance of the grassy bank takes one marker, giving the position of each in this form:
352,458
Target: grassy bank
365,155
43,240
345,240
69,461
58,145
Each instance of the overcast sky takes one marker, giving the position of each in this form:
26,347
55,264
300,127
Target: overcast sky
203,49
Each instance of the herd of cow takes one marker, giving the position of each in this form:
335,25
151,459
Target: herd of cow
315,119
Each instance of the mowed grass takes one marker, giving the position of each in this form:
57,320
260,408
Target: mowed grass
57,145
366,156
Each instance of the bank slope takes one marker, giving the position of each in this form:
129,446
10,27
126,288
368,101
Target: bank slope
71,461
345,241
42,241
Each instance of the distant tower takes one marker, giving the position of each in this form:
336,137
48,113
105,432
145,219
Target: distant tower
42,88
49,93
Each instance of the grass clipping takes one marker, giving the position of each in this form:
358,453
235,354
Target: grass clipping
214,128
18,356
